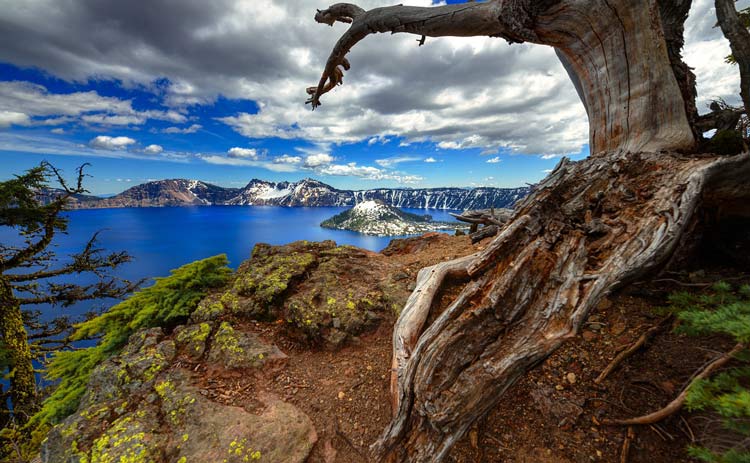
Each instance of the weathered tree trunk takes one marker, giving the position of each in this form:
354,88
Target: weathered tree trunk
13,332
587,229
570,243
739,41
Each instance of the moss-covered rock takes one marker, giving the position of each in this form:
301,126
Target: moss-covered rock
154,412
209,309
192,339
235,349
322,292
263,280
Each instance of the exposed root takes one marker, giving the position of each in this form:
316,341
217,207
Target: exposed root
643,339
674,406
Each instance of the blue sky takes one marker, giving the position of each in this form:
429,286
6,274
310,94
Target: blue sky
215,91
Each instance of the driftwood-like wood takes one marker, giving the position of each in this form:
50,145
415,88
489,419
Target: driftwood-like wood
497,217
492,220
532,288
739,42
483,233
616,50
589,228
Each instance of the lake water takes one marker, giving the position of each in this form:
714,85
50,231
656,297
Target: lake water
161,239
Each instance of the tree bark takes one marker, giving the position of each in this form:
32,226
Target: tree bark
592,227
739,42
587,229
22,380
616,50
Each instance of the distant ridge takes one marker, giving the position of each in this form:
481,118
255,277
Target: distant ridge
304,193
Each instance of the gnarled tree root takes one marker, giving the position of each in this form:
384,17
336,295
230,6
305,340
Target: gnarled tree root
675,405
589,228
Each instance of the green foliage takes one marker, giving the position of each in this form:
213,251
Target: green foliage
726,311
167,302
726,142
19,205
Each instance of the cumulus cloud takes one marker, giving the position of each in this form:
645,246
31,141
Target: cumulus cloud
392,161
8,118
473,93
494,160
184,130
430,160
286,159
105,142
367,172
89,107
153,149
243,153
318,160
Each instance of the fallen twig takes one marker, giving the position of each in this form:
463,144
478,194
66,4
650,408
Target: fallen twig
677,403
645,337
629,436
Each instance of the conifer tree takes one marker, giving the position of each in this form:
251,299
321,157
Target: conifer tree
29,272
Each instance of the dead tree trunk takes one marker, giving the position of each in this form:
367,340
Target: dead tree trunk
739,41
588,228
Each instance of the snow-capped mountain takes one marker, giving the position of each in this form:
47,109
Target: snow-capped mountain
307,192
375,218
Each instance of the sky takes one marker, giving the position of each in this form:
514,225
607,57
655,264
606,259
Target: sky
215,91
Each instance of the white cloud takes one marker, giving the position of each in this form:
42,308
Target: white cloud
388,162
367,172
8,118
105,119
514,98
318,160
111,143
286,159
243,153
244,162
153,149
58,131
192,129
430,160
350,169
494,160
89,107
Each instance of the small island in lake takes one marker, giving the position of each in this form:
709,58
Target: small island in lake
377,218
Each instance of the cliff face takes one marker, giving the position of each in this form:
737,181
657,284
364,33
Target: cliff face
305,193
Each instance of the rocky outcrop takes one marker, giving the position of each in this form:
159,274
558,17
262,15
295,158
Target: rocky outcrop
216,388
304,193
141,406
320,292
376,218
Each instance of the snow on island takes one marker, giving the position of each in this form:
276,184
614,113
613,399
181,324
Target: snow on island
377,218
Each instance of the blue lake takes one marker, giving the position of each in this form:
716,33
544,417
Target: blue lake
161,239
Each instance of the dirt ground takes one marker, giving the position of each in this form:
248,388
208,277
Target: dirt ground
552,415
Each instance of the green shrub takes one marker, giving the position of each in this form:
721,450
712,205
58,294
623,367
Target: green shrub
722,311
166,303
